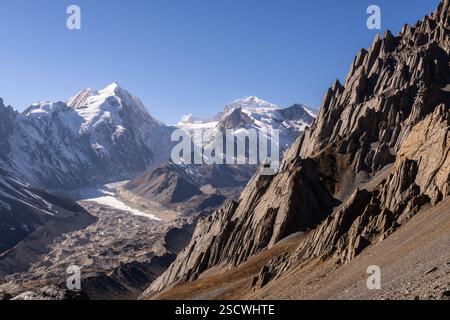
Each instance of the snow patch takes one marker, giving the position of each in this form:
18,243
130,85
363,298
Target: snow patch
106,196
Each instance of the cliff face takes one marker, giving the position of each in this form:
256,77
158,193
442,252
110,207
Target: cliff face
377,153
419,177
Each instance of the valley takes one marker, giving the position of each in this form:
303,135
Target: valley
139,224
96,183
106,195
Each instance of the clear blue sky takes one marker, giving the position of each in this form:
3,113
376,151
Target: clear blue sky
188,56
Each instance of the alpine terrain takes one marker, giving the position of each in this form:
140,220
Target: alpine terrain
204,187
136,209
93,138
367,184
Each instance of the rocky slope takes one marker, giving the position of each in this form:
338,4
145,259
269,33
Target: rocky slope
187,188
30,220
97,136
120,255
377,154
414,263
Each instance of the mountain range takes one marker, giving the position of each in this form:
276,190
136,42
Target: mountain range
95,137
202,188
253,113
363,184
376,156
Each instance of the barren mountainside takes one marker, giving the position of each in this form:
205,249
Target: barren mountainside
30,219
377,154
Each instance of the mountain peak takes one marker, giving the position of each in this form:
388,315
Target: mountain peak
311,111
249,102
81,98
252,101
113,88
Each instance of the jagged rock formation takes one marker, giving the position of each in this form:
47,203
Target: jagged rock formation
420,176
377,153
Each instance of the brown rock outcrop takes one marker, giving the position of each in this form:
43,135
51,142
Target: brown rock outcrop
377,153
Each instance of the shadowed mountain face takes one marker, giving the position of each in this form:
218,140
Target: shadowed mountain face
32,218
96,137
377,154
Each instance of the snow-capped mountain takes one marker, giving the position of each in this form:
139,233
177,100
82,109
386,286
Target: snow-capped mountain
192,185
96,136
253,113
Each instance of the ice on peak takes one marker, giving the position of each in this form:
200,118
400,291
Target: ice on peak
83,98
43,107
253,99
80,98
113,88
115,84
190,119
250,102
187,118
311,112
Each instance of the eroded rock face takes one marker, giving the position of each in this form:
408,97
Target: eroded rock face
420,176
269,209
377,153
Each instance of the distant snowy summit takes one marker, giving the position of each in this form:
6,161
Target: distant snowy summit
92,109
254,113
203,186
250,102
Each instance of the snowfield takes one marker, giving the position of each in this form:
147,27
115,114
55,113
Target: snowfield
106,196
112,202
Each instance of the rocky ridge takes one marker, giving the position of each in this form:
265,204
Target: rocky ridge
377,154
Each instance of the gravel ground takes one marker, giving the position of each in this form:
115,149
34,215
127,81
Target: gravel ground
117,238
414,262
